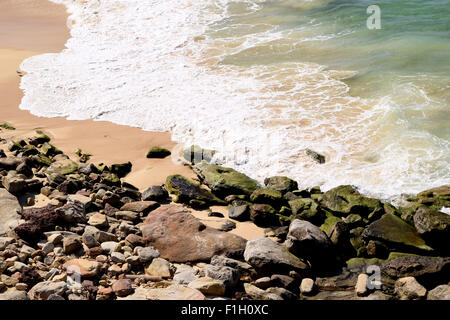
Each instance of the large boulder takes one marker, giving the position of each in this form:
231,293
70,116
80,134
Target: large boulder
268,196
39,220
434,227
225,181
436,198
306,209
396,234
190,192
441,292
10,210
282,184
62,165
180,237
264,215
269,257
344,200
307,241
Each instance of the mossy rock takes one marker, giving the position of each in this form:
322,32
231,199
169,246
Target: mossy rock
225,181
344,200
268,196
42,160
317,157
281,184
437,197
357,241
40,139
30,150
329,223
121,169
306,209
358,263
6,126
50,150
16,146
264,215
196,154
62,165
354,220
158,153
187,190
110,179
396,234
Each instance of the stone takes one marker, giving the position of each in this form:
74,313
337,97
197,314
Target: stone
344,200
229,276
158,152
242,267
263,283
72,212
134,240
317,157
71,245
10,210
396,234
259,294
147,254
5,241
121,169
85,268
180,237
89,240
307,286
307,241
434,227
62,165
173,292
117,257
361,285
140,206
55,238
225,181
13,295
184,275
110,246
122,287
281,184
267,196
227,225
269,257
196,154
155,193
239,212
98,220
264,215
409,289
40,220
306,209
158,267
43,290
186,191
208,286
127,215
441,292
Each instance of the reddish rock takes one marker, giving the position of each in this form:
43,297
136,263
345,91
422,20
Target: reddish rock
84,267
135,240
40,220
71,245
140,206
180,237
122,287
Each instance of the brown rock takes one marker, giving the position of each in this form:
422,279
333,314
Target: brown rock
135,240
122,287
140,206
180,237
71,244
86,268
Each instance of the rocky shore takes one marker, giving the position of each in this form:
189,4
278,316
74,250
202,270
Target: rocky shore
72,230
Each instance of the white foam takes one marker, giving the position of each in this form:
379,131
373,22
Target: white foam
153,65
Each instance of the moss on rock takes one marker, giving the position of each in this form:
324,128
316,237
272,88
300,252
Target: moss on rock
158,152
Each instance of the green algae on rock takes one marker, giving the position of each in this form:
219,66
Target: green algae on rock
158,152
282,184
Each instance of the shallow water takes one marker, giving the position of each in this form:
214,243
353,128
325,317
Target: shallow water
261,81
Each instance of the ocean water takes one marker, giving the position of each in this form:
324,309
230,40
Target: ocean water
262,81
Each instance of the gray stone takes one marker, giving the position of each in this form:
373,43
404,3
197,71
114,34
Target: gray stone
10,210
147,254
14,294
229,276
43,290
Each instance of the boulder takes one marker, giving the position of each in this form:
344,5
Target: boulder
10,210
43,290
306,209
121,169
239,212
409,289
281,184
434,227
190,192
155,193
140,206
264,215
225,181
344,200
307,241
269,257
441,292
396,234
158,152
228,275
62,165
40,220
267,196
180,237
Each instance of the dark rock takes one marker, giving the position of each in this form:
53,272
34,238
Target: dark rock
40,220
155,193
140,206
283,281
306,209
121,169
267,196
70,186
29,276
281,184
227,226
239,212
434,226
215,214
73,212
180,237
158,152
264,215
317,157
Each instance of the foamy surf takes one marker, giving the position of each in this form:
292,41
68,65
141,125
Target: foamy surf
189,67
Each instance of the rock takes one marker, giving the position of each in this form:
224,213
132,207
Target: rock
110,246
10,210
317,157
40,220
208,286
121,169
187,191
267,196
239,212
229,276
43,290
122,287
344,200
259,294
196,154
134,240
117,257
62,165
70,186
83,267
155,193
158,267
98,220
127,215
441,292
71,245
242,267
158,152
282,184
306,209
361,285
55,238
396,233
283,281
14,183
409,289
434,227
227,226
180,237
173,292
225,181
264,215
262,283
269,257
426,269
72,213
147,254
307,286
307,241
5,241
140,206
283,293
13,295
